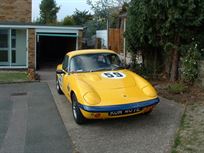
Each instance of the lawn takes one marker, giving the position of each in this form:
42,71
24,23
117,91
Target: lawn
9,77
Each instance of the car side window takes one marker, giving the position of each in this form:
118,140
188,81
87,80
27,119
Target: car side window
65,63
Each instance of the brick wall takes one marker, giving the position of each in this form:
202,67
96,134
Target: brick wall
15,10
31,48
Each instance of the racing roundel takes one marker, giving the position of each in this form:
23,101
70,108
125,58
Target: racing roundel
113,75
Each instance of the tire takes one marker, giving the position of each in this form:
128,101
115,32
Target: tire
78,116
59,90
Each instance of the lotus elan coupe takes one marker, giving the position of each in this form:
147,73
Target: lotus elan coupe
100,87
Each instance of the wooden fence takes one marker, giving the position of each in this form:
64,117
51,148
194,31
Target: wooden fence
116,40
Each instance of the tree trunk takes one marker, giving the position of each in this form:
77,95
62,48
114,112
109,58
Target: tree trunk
174,67
155,63
166,61
167,67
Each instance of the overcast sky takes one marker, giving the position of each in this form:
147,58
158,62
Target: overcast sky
67,7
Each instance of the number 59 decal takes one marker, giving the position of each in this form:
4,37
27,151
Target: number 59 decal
113,75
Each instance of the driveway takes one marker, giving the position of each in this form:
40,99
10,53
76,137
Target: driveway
29,120
152,133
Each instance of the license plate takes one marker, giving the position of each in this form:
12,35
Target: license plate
124,112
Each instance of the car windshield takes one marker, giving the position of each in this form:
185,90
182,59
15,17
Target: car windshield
95,62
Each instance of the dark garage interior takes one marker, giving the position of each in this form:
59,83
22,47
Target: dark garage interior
51,50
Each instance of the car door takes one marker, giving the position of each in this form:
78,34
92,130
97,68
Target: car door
65,77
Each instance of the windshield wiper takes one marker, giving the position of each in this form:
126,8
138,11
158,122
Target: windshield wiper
100,69
116,67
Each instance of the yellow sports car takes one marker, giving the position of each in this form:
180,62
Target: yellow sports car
99,87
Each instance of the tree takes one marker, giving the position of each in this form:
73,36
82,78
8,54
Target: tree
48,12
78,18
164,25
36,20
81,17
103,8
68,20
107,10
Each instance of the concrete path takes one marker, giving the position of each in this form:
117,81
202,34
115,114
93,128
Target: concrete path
30,122
153,133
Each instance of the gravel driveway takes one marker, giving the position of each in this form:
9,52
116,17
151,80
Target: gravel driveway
152,133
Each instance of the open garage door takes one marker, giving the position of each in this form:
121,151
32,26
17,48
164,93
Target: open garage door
51,48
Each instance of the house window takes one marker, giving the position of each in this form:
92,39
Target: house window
13,50
13,42
13,57
3,55
13,46
4,47
3,38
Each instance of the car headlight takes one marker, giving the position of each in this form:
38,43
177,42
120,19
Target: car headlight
92,98
149,91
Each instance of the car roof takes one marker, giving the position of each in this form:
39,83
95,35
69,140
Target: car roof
89,51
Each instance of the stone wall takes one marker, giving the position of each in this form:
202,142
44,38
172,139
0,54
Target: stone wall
201,74
15,10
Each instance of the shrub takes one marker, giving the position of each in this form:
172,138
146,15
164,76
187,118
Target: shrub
189,71
177,88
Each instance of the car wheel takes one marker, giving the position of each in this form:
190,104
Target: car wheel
58,87
78,116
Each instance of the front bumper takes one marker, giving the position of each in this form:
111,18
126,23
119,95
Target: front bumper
114,111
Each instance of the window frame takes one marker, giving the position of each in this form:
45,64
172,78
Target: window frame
65,61
70,59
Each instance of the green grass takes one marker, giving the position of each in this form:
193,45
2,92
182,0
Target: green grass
7,77
189,138
177,140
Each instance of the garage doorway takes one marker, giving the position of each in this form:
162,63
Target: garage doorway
51,48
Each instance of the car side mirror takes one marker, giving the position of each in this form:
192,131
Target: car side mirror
60,72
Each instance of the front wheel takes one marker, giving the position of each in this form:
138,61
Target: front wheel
78,116
59,90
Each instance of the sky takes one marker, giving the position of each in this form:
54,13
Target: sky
67,7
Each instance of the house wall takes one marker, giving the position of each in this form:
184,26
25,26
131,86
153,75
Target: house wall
31,48
103,35
15,11
21,58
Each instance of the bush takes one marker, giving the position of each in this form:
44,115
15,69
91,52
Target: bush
190,70
177,88
140,69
